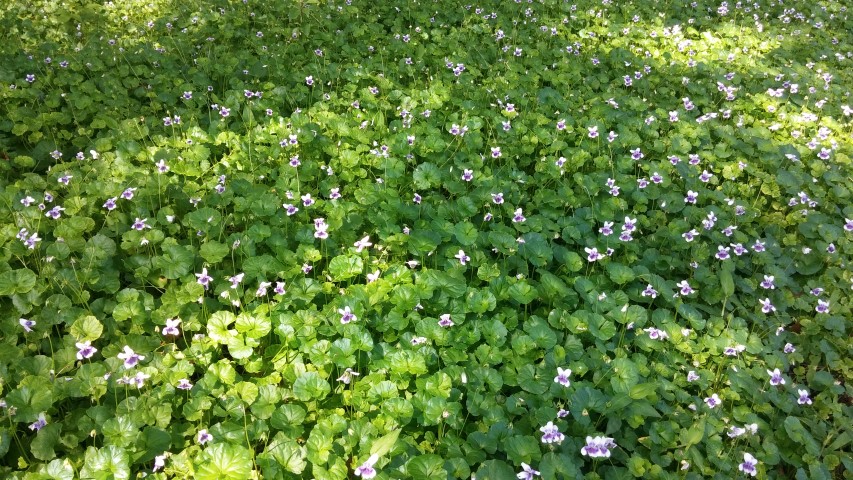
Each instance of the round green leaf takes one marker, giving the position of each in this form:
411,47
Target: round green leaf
17,281
86,328
311,385
224,462
426,467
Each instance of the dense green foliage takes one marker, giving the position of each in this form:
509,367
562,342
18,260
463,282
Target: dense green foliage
277,239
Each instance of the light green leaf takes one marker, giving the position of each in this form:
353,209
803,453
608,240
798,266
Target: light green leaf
120,431
253,326
86,328
224,462
384,445
311,385
344,267
287,453
217,326
109,462
60,470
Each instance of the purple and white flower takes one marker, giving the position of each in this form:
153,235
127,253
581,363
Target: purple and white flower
362,244
776,377
203,278
656,334
130,357
27,324
748,465
346,377
526,473
463,259
713,401
204,436
38,424
598,447
346,315
171,327
85,350
563,376
551,434
366,470
803,398
593,254
649,291
685,287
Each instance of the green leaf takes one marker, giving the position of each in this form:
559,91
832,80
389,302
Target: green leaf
531,382
422,242
522,449
203,219
795,430
726,280
287,453
536,249
495,470
384,444
481,301
46,439
153,442
253,326
17,281
120,431
426,467
319,445
465,233
240,346
86,328
557,466
223,462
35,397
625,375
344,267
426,175
5,442
287,415
642,390
620,274
175,262
693,434
60,470
522,292
311,385
213,252
107,463
217,326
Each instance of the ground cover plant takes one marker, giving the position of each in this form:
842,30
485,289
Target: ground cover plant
425,240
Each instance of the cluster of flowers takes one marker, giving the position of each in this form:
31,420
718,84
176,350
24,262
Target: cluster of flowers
30,239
